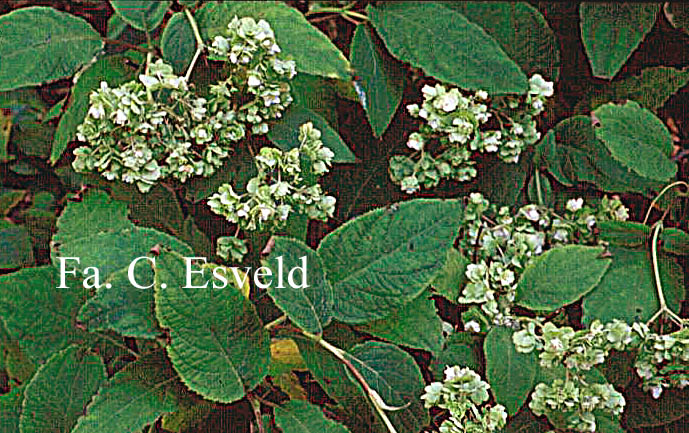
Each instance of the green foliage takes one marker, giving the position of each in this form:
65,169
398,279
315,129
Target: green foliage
552,280
433,37
612,31
385,258
267,140
225,327
41,44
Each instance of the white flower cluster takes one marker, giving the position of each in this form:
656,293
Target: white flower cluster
257,89
157,127
576,401
286,182
463,393
504,244
663,360
452,134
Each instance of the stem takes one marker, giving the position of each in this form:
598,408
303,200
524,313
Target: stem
340,354
256,406
275,323
660,194
356,15
539,192
659,286
149,58
199,43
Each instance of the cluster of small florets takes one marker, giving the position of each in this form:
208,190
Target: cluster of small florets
663,360
157,127
463,393
286,182
576,401
502,244
451,133
257,89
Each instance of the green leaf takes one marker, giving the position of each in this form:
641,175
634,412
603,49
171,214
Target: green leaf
33,139
318,57
321,95
302,417
220,324
178,43
520,30
40,44
32,293
415,325
460,349
612,31
526,422
97,231
55,111
10,410
116,25
511,374
307,307
158,208
59,392
651,89
285,133
628,292
111,69
15,246
394,375
438,39
637,139
503,182
141,14
237,169
624,233
197,239
560,276
133,398
381,77
675,241
383,259
451,278
573,154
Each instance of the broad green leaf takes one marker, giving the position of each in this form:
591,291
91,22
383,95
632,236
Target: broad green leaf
675,241
59,392
33,139
380,76
451,278
97,231
141,14
605,423
437,39
637,139
521,31
95,213
560,276
503,182
628,292
196,239
511,374
219,347
396,377
415,325
383,259
624,233
651,89
158,208
116,25
40,44
302,417
539,190
111,69
460,349
321,95
121,307
10,409
285,132
55,111
573,154
32,293
307,307
133,398
15,246
312,51
178,43
612,31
